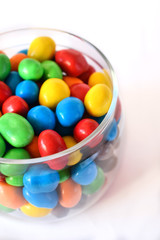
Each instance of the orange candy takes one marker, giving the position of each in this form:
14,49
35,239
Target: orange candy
0,114
69,193
16,59
1,52
32,148
71,80
10,196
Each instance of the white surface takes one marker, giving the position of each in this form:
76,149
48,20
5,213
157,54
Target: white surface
128,34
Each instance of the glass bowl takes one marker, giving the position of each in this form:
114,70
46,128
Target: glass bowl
101,148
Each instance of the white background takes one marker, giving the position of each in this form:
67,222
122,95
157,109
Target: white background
128,32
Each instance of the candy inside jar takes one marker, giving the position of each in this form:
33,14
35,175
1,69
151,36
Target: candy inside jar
60,116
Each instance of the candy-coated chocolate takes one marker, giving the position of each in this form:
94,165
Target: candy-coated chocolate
30,69
100,77
2,146
41,118
40,178
84,173
51,70
52,92
28,90
16,181
50,142
113,131
5,92
33,211
84,128
5,66
79,90
13,80
96,185
64,174
42,48
10,196
69,111
85,76
15,169
71,80
72,62
25,51
33,149
76,156
5,209
41,200
118,110
16,59
98,100
70,193
15,104
16,130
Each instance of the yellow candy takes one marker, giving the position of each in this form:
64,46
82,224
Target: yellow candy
52,92
33,211
76,156
99,77
42,48
98,100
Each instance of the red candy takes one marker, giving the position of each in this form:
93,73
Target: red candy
72,62
5,92
2,178
85,76
79,90
15,104
50,142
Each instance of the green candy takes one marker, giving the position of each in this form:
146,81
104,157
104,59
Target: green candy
64,174
16,130
51,70
30,69
2,146
15,169
6,209
96,184
5,66
16,181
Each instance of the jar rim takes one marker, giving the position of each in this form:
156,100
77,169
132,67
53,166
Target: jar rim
106,121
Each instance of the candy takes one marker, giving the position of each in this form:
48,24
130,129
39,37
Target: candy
25,51
40,178
98,100
71,80
52,92
118,110
113,131
64,174
41,118
96,185
10,196
5,66
16,130
13,80
51,70
100,77
42,200
85,76
16,181
76,156
30,69
79,91
84,173
16,59
5,209
50,142
33,149
15,169
72,62
69,193
33,211
42,48
28,90
15,104
69,111
5,92
2,146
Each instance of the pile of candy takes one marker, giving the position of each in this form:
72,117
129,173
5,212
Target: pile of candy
50,101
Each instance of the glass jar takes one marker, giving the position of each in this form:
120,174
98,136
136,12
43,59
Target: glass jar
99,150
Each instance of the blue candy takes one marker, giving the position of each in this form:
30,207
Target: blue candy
28,90
113,131
40,178
69,111
85,172
13,80
41,118
25,51
41,200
